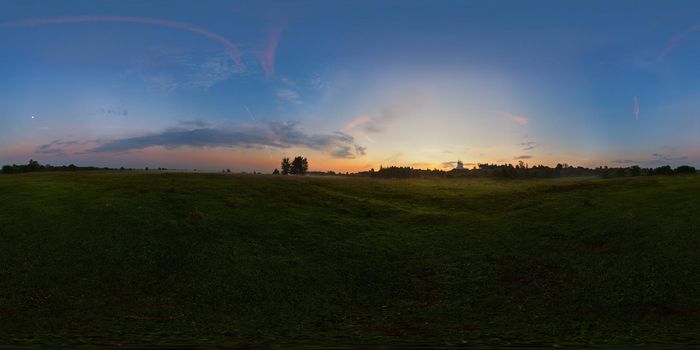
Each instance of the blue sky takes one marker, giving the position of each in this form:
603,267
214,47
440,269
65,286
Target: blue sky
349,84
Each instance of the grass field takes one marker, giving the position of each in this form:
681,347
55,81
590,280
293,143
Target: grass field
136,259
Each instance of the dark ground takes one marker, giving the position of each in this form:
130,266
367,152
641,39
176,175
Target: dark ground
125,259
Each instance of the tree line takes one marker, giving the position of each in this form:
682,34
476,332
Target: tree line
524,171
35,166
300,166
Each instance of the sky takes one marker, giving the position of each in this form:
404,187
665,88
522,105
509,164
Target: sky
351,85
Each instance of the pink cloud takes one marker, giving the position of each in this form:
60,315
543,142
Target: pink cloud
230,47
514,118
267,58
518,120
357,122
675,40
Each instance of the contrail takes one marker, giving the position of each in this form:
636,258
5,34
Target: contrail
635,108
675,40
250,113
230,47
269,155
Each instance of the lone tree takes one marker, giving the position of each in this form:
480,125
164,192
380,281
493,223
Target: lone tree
33,165
299,166
276,172
286,166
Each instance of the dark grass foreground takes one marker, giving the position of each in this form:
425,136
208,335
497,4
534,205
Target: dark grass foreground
181,259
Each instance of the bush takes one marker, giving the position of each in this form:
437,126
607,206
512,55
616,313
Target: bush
685,169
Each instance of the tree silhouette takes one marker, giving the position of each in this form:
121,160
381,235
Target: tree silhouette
275,172
635,170
286,166
685,169
663,170
299,166
33,165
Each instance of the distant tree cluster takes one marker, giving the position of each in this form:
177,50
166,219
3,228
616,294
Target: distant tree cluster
637,171
35,166
396,172
522,170
298,166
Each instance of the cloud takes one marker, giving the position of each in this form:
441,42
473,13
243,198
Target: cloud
392,158
289,96
624,161
167,71
635,108
114,111
519,120
267,57
213,70
317,83
343,152
377,122
196,123
230,47
523,157
357,122
513,118
273,134
667,157
528,145
56,147
675,40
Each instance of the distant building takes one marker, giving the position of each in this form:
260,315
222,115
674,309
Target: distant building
460,165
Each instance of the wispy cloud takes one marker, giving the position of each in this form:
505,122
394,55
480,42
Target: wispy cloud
289,96
528,145
624,161
57,147
660,159
657,159
167,71
196,123
230,46
317,83
267,57
357,122
375,123
635,108
114,111
273,134
523,157
392,158
513,118
675,40
667,157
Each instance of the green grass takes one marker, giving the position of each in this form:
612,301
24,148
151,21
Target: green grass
166,259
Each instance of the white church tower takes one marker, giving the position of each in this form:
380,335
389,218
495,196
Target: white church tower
460,165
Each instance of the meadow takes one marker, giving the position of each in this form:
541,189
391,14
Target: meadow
133,259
